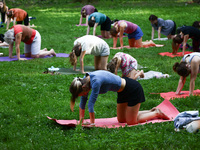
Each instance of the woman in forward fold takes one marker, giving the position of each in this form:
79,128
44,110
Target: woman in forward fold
90,44
134,34
128,65
86,11
31,39
190,64
130,96
185,33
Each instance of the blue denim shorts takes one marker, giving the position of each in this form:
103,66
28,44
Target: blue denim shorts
137,34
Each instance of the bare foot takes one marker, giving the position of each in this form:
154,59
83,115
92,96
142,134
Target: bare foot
161,114
141,74
53,52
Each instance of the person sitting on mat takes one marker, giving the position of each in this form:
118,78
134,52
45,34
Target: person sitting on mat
18,15
134,34
166,27
96,19
90,44
130,96
4,10
189,64
31,39
128,65
85,12
185,33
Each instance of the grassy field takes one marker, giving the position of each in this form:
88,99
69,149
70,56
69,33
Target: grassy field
28,96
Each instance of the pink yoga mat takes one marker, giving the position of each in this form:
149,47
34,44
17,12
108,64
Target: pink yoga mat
23,56
172,95
179,54
81,24
128,47
165,106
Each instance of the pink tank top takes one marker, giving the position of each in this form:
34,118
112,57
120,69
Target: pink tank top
131,27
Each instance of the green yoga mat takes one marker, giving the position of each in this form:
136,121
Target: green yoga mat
86,69
71,71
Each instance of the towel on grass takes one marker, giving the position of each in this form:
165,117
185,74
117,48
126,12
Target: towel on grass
153,74
179,54
161,39
166,107
128,47
23,56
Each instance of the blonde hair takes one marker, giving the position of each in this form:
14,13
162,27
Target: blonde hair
9,36
76,52
76,88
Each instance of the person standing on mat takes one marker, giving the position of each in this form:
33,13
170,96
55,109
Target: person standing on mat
18,15
96,19
134,34
185,33
166,27
189,64
90,44
130,96
85,12
128,65
4,10
31,39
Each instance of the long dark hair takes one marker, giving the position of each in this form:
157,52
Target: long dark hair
181,69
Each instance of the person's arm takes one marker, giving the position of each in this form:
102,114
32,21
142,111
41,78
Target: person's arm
88,30
6,17
193,76
185,38
81,19
114,42
0,17
81,61
18,38
10,50
74,68
159,30
94,29
8,23
152,33
181,84
118,64
14,20
121,36
175,47
87,19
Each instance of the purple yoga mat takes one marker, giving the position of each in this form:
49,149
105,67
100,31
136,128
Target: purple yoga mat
23,56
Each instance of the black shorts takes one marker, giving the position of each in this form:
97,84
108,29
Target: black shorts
106,26
174,29
133,93
26,21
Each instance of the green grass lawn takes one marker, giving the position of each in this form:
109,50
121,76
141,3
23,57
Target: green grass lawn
27,95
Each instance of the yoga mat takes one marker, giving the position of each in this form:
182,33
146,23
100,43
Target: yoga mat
179,54
161,39
100,36
81,24
23,56
128,47
71,71
173,95
165,106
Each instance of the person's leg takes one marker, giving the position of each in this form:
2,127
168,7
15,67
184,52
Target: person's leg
132,114
103,33
121,112
103,62
97,60
131,42
195,45
193,127
139,43
148,43
26,20
27,50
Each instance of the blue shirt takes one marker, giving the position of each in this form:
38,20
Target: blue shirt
101,82
99,17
